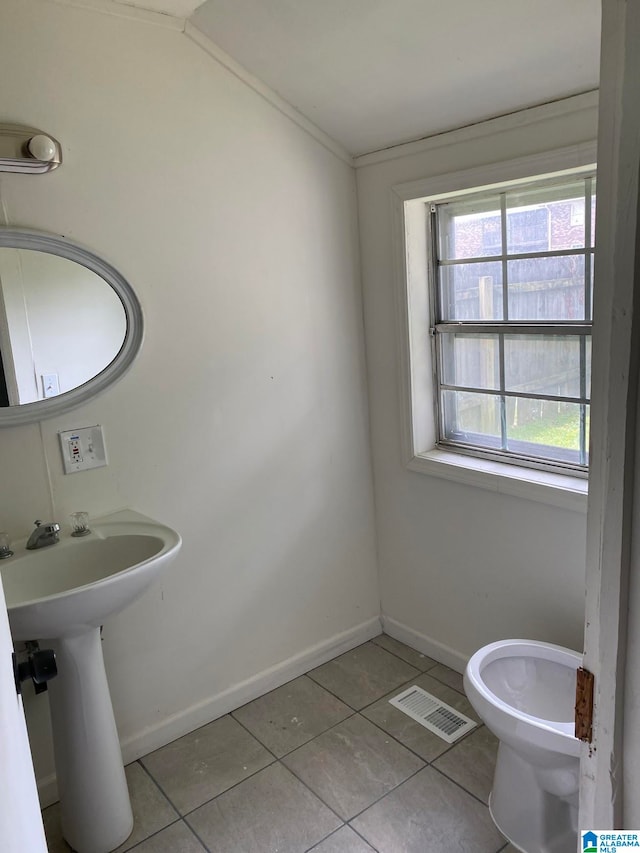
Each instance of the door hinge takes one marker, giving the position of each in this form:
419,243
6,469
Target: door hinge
584,705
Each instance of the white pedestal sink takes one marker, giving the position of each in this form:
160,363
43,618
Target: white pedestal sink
62,594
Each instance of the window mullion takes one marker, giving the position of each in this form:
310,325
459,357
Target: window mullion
514,256
503,399
505,276
555,328
583,394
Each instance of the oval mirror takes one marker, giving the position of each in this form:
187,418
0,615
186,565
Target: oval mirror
70,325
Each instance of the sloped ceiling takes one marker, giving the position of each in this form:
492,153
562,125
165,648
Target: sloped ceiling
176,8
375,73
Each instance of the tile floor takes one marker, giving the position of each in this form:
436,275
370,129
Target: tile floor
323,764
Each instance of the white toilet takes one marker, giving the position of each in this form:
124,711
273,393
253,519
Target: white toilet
524,691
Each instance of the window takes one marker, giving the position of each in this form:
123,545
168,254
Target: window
510,274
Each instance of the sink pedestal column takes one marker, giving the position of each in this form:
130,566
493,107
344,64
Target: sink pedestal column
94,799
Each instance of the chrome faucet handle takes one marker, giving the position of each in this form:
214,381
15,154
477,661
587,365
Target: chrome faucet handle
5,549
50,526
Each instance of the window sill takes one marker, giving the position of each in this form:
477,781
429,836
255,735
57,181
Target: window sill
560,490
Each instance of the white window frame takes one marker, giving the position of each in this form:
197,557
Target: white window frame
417,371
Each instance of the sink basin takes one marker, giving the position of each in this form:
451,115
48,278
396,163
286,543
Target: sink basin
73,586
63,593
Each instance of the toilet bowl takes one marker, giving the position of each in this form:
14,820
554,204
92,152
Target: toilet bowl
524,692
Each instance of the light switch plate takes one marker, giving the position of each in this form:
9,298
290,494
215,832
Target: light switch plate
50,385
82,449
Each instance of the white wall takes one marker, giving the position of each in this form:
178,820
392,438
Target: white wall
461,566
243,423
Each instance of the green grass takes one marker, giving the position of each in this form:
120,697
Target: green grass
561,430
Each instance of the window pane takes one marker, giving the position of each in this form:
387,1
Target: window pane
471,291
588,371
472,418
594,207
528,230
544,429
587,429
546,288
542,364
470,360
589,307
547,218
470,229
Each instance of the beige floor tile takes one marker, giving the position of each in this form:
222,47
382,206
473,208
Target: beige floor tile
270,813
471,763
363,675
177,838
238,799
429,813
411,656
448,676
151,812
293,714
345,840
409,732
203,764
352,765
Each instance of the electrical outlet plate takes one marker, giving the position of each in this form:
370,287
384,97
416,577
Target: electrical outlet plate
83,449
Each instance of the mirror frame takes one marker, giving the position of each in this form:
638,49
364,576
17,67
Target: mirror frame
38,241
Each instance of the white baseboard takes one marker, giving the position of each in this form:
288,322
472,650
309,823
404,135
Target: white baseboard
47,790
177,725
427,645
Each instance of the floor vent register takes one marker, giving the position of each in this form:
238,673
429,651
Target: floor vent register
433,714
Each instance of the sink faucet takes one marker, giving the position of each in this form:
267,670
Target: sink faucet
43,535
